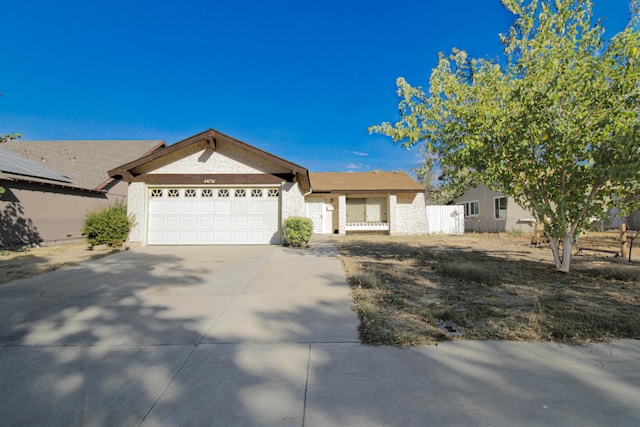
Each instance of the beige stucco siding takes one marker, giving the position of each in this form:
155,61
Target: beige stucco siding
410,214
225,159
292,200
137,206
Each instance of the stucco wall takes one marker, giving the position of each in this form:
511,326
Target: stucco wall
32,213
137,205
292,200
226,159
410,214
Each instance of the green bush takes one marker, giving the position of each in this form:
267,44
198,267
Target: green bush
298,231
109,227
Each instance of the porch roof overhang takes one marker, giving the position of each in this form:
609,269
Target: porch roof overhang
363,183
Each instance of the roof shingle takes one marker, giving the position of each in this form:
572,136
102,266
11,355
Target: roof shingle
86,162
323,182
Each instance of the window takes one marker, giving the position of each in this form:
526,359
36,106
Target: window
471,208
256,192
223,192
190,192
273,192
500,208
372,209
207,193
240,192
157,192
174,192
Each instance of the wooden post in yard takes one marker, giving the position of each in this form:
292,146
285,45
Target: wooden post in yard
624,247
537,233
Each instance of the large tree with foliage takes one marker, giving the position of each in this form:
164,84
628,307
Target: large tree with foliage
553,124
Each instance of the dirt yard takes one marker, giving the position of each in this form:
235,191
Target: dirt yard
29,262
416,290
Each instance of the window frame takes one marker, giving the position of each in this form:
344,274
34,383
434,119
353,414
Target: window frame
500,213
467,208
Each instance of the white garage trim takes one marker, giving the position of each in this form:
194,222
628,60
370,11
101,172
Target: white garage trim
213,215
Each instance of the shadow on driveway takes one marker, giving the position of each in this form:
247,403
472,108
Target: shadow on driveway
264,336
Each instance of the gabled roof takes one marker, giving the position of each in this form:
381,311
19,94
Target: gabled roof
211,137
85,162
341,182
16,166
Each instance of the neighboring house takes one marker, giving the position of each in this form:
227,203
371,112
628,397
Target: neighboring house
214,189
51,185
390,202
491,211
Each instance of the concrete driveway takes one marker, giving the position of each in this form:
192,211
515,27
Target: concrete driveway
264,335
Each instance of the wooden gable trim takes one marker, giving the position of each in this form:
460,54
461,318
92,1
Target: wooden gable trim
211,138
209,179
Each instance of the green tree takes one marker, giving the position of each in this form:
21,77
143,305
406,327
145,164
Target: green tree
5,138
554,124
436,189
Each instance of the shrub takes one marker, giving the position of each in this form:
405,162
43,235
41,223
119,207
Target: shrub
109,226
298,231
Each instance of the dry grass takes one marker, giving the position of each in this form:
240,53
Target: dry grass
489,287
28,262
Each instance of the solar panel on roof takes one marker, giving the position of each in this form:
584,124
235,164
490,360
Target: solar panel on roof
14,163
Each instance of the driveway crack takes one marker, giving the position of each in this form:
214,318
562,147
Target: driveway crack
169,384
306,386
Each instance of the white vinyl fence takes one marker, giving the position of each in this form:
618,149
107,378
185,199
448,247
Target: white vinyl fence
445,219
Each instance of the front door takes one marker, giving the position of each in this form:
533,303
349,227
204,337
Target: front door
315,209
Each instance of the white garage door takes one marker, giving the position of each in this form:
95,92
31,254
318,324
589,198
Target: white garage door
211,216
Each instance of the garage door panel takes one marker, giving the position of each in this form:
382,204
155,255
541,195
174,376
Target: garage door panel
223,237
222,222
156,207
222,207
189,237
207,221
239,207
239,222
172,221
173,206
207,207
220,216
205,237
171,237
190,207
156,222
257,222
190,222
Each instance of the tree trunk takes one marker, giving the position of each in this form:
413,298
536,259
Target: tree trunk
562,260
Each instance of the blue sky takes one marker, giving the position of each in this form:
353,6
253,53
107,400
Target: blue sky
300,79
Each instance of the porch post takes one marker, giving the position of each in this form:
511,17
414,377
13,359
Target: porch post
391,214
342,214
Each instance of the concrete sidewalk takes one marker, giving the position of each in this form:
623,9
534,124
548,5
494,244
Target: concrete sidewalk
264,335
